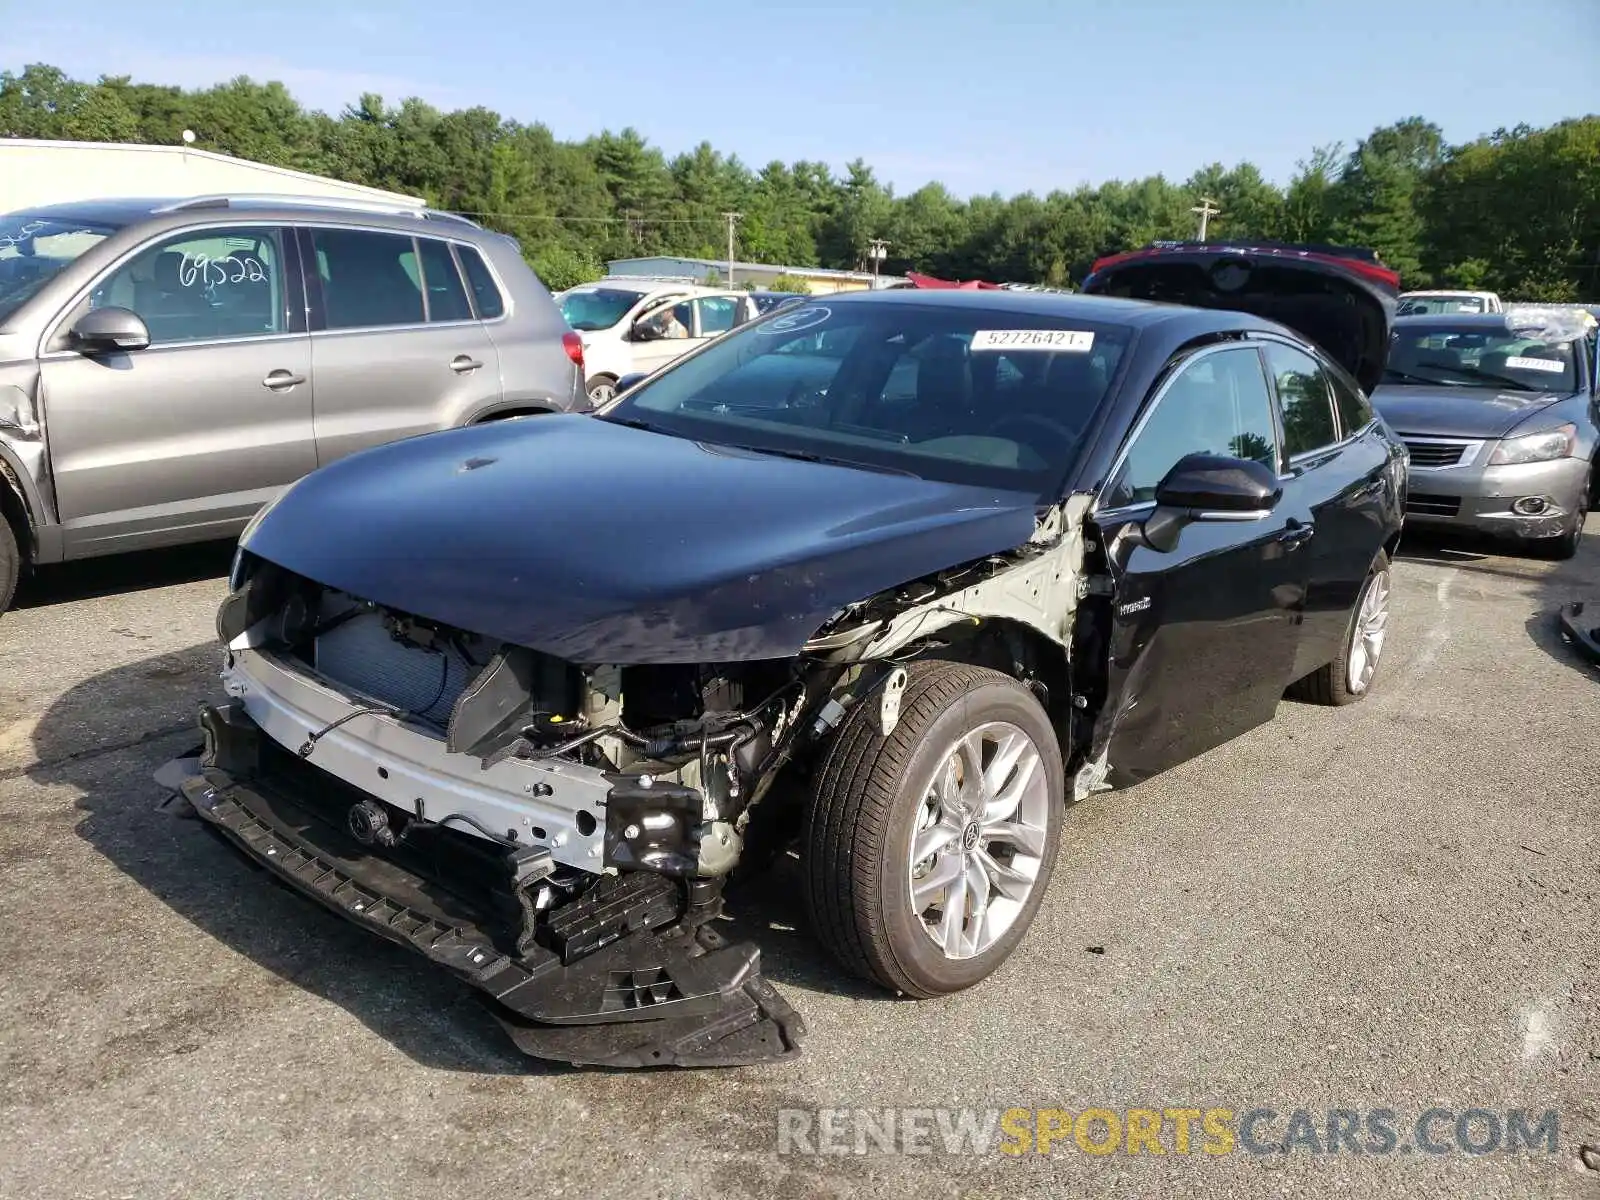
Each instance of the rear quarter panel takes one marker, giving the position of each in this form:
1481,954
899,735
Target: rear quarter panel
535,372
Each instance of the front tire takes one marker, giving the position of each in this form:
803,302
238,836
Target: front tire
928,852
601,389
1348,678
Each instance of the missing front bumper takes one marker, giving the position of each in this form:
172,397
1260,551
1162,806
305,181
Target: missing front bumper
620,980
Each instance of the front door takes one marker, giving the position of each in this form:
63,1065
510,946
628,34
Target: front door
1204,635
184,440
395,348
674,330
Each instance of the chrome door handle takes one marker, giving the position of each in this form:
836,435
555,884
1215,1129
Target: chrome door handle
280,381
1296,537
462,363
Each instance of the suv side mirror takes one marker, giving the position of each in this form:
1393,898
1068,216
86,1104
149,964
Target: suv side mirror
109,331
1209,487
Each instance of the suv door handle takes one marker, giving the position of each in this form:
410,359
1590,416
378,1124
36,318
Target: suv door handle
280,381
1297,536
462,363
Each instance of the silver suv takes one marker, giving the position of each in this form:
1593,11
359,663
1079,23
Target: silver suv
168,367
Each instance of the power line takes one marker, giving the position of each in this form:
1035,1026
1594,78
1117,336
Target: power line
712,221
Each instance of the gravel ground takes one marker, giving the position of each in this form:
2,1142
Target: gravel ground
1385,906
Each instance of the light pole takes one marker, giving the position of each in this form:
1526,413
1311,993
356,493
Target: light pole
877,251
732,219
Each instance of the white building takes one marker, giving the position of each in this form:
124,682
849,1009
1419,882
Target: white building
820,280
47,172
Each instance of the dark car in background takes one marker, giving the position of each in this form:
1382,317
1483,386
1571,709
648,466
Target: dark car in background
1498,412
893,575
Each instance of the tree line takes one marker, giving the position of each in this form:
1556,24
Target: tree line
1516,211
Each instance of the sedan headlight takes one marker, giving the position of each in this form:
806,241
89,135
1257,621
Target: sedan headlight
1561,442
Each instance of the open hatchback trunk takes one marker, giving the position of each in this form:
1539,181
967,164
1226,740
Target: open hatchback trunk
1341,298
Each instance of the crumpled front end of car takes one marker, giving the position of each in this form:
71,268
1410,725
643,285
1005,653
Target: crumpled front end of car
558,834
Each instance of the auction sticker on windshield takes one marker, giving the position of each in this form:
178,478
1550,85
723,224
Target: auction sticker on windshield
1077,341
1536,364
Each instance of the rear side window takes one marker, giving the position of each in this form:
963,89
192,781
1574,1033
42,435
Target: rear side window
1303,398
1354,412
368,279
485,292
447,299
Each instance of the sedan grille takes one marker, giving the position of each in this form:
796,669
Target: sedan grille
1424,505
1433,454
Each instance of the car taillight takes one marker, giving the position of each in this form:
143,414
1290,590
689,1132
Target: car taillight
573,345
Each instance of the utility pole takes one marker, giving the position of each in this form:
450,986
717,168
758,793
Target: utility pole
1206,209
877,252
732,218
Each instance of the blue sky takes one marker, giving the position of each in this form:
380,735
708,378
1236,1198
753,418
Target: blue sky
1008,95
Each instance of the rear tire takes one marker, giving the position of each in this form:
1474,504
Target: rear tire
10,564
601,389
1335,683
986,825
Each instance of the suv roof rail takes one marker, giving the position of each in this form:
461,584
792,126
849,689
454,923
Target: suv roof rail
350,204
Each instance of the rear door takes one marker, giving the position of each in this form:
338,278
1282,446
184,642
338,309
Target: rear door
1336,470
184,440
1205,635
395,347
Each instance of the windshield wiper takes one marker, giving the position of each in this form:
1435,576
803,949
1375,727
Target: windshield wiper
830,460
1506,381
633,423
1393,376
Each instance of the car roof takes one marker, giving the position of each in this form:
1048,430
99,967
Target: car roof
1067,306
1495,320
1445,292
122,211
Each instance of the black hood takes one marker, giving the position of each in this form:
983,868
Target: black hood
598,543
1458,411
1341,298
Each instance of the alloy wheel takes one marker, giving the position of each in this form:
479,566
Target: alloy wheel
1366,638
979,840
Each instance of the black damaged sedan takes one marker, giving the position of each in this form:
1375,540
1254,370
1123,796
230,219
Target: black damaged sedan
894,576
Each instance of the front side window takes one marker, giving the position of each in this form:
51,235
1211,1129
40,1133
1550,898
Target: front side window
368,279
202,285
1303,399
34,250
1216,404
975,395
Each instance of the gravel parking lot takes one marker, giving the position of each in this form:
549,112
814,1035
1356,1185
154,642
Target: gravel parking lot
1392,905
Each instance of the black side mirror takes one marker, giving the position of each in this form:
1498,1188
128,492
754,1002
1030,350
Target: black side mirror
109,331
644,332
630,379
1209,487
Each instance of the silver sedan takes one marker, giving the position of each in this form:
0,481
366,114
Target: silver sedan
1499,414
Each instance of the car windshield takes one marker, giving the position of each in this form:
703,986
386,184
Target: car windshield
34,249
973,395
1419,306
597,308
1479,357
